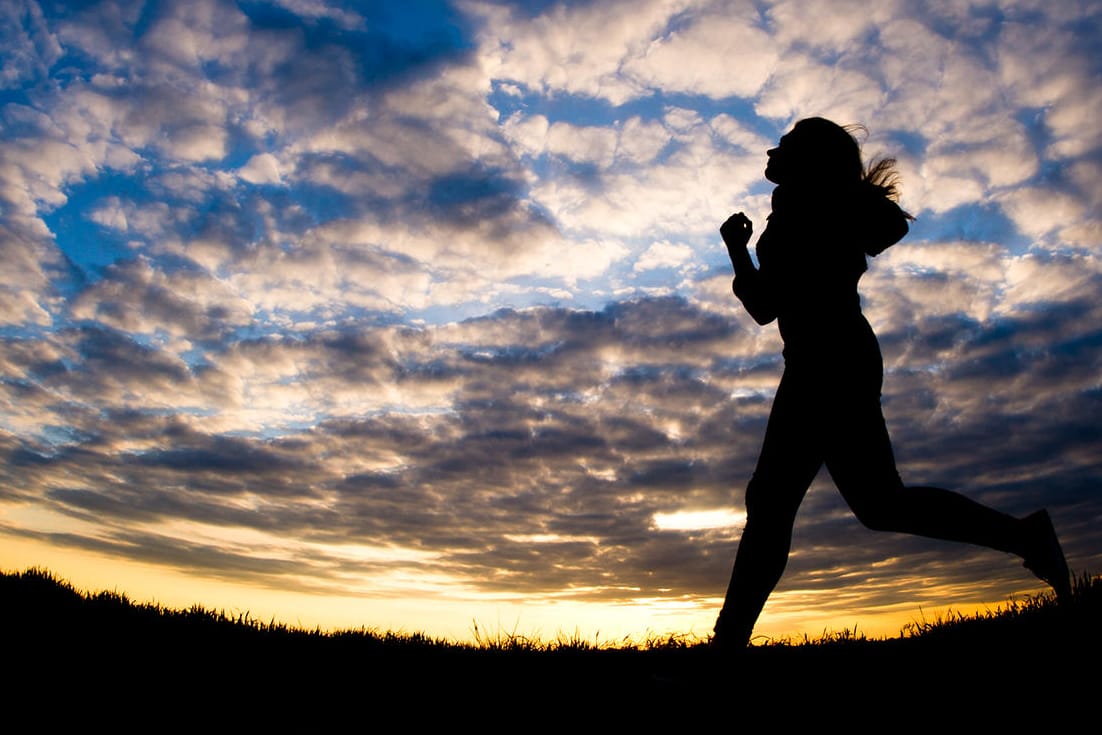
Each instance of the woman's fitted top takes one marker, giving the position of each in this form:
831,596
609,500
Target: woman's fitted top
811,256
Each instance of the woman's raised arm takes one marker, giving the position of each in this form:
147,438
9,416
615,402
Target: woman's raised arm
748,285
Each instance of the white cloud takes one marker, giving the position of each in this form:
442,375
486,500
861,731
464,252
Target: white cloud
636,141
738,135
586,144
199,142
575,49
198,31
1036,68
684,195
1031,280
803,87
527,133
23,306
111,214
663,255
681,120
915,281
29,48
641,141
934,191
263,168
721,53
962,167
1038,211
322,9
836,26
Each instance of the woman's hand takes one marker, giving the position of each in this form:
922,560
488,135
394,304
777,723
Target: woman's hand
736,231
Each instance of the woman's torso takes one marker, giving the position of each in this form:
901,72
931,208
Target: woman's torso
812,270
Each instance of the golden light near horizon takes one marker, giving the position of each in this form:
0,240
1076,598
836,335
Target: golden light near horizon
789,615
408,315
699,520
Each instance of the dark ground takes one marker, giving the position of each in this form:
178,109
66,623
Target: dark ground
88,658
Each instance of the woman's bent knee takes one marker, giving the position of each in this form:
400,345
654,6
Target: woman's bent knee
772,503
879,511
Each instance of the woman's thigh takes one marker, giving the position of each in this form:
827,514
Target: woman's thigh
792,451
859,456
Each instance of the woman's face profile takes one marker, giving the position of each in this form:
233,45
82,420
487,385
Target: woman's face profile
779,165
806,155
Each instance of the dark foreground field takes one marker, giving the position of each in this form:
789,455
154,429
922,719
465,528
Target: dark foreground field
99,657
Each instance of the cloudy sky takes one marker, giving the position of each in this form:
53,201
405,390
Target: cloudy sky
413,314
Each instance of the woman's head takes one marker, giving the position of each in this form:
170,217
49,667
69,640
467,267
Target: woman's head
815,152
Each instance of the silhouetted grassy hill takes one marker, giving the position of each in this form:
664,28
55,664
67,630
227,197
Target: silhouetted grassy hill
102,653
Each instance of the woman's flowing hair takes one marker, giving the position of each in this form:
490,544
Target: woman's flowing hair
830,154
881,174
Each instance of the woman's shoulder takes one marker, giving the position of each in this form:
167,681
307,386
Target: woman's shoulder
880,222
859,216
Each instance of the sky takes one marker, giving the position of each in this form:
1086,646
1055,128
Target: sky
414,315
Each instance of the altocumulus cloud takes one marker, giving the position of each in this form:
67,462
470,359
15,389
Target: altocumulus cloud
300,293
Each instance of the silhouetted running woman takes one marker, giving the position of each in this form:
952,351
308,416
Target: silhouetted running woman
829,213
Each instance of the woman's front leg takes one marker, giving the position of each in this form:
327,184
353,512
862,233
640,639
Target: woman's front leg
789,460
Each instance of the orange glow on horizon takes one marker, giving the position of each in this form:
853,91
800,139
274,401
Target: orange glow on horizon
790,615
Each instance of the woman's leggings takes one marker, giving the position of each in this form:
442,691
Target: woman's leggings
836,419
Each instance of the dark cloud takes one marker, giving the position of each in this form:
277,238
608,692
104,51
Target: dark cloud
134,297
473,196
229,456
115,356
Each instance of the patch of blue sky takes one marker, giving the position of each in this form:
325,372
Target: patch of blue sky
437,314
662,277
740,364
15,96
195,358
507,98
57,437
288,426
150,342
899,143
411,22
419,23
1033,120
393,38
240,147
976,222
657,373
88,245
514,354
